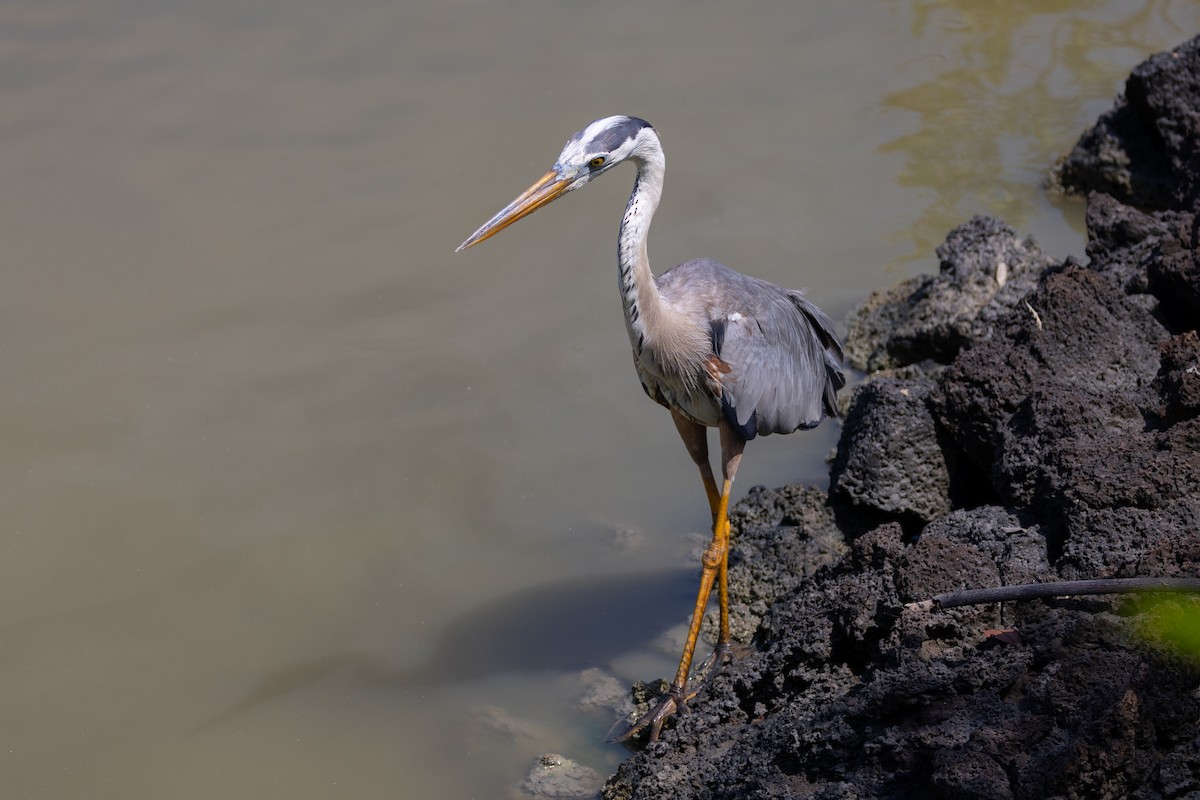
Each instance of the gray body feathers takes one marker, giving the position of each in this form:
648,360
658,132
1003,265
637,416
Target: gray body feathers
774,358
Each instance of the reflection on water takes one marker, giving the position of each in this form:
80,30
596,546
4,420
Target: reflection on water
272,452
1002,93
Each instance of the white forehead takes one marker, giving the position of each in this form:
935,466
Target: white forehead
592,131
616,135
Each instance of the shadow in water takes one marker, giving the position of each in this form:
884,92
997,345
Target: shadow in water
557,627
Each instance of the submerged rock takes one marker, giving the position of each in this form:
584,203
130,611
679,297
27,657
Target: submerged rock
555,777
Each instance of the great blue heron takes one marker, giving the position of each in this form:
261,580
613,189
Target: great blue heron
719,349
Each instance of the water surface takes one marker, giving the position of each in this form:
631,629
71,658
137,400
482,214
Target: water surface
298,503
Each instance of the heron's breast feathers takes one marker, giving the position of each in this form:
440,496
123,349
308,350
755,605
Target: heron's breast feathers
683,372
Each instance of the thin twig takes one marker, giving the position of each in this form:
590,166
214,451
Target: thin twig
1033,591
1036,317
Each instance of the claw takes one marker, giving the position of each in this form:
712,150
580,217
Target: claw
673,702
677,698
721,655
654,719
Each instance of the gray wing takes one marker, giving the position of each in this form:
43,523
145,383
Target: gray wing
782,353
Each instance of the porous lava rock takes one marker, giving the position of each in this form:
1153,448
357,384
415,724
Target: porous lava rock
1021,424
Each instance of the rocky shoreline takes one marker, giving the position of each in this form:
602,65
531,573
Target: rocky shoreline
1024,420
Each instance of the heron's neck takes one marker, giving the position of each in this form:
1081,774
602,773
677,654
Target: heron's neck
639,294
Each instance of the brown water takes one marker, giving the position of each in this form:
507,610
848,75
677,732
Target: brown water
269,446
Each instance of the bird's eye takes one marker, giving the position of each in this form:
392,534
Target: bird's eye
598,161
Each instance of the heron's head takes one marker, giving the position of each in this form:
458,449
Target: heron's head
588,154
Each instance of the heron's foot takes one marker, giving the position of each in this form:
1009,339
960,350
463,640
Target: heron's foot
675,700
721,655
677,697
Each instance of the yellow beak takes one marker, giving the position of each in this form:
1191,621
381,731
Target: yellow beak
548,187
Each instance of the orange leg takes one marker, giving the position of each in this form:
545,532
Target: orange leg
715,565
695,439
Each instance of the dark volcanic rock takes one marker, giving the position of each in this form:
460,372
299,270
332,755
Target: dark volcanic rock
1012,539
984,271
1178,380
1174,276
1079,351
1122,241
784,536
1143,151
1048,428
1154,253
889,460
854,695
1077,411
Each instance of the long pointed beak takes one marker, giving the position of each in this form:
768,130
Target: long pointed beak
548,187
